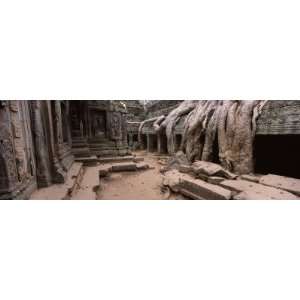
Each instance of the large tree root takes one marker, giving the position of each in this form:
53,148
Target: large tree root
230,124
172,119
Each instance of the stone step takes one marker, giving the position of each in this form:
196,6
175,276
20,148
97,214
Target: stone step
256,190
87,160
123,167
64,190
116,159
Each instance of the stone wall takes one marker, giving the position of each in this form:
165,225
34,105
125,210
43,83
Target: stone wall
135,111
35,146
99,128
279,117
157,108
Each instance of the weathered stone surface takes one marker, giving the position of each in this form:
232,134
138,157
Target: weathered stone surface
185,169
211,169
285,183
91,160
104,171
61,191
194,188
172,180
138,159
142,166
260,191
116,159
252,195
204,190
215,179
251,178
177,160
120,167
202,177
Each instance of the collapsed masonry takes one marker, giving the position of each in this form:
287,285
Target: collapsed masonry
39,140
43,142
244,137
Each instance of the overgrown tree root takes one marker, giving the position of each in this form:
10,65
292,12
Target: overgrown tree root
230,125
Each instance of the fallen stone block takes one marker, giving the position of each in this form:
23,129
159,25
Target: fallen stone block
116,159
104,172
138,159
211,169
142,166
285,183
122,167
202,177
239,186
215,179
194,188
204,190
251,178
185,169
172,180
252,196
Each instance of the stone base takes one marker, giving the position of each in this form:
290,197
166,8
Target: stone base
23,192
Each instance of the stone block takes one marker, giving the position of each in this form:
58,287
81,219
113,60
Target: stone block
261,191
285,183
116,159
172,180
122,167
104,172
202,177
142,166
138,159
203,190
185,169
211,169
251,178
215,179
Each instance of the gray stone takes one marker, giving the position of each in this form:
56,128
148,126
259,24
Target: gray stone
251,178
211,169
260,191
204,190
285,183
142,166
215,179
185,169
122,167
194,188
138,159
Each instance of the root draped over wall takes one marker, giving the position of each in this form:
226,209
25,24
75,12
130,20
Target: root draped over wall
232,123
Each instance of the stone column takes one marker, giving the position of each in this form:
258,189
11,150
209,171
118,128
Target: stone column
8,172
41,152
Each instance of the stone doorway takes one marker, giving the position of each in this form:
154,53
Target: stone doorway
277,154
98,124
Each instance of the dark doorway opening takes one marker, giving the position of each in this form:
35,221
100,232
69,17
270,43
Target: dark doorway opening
178,140
277,154
163,144
135,138
144,142
152,143
215,152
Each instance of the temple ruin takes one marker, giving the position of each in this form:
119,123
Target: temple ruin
108,149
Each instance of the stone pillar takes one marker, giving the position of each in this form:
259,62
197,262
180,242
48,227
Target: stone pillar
41,147
8,168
